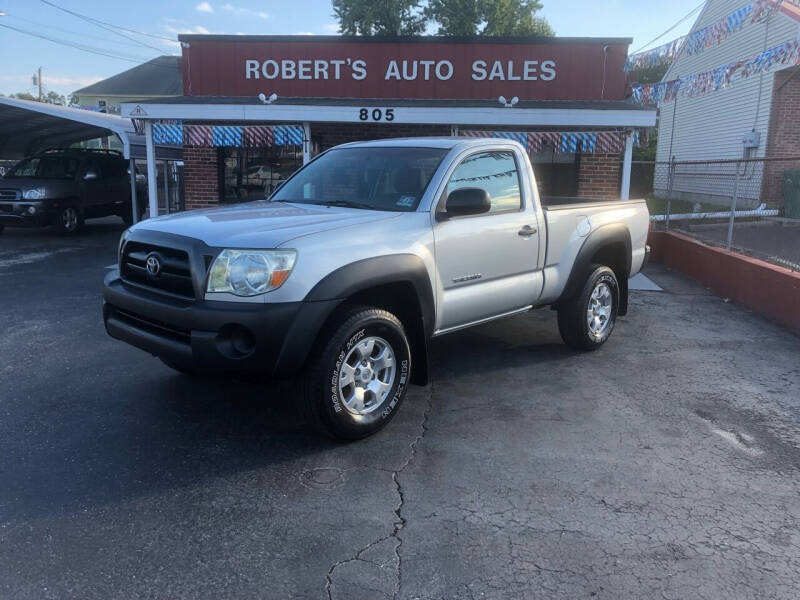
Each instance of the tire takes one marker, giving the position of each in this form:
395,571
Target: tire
358,375
68,221
127,217
600,294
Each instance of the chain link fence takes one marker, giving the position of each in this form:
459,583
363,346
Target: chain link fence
751,206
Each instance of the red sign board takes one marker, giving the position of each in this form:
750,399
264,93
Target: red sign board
422,68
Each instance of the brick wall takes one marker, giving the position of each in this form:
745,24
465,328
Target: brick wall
200,177
328,135
783,136
599,176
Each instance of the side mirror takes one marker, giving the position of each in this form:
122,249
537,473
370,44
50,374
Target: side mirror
89,175
466,202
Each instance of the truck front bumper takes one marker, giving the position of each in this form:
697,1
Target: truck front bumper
273,340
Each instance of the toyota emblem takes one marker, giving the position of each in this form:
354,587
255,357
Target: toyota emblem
153,264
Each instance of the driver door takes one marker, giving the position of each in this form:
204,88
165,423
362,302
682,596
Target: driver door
95,189
487,263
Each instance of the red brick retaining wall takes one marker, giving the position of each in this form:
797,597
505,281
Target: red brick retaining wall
769,290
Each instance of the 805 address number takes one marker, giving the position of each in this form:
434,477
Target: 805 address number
376,114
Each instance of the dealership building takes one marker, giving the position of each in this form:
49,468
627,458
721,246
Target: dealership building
255,108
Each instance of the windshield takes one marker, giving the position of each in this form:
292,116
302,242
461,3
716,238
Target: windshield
391,179
45,167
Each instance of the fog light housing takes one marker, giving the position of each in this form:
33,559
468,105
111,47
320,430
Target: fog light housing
235,341
31,210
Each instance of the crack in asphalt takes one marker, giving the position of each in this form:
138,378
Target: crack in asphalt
400,520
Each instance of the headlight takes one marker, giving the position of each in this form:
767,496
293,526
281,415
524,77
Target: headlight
122,239
34,194
250,272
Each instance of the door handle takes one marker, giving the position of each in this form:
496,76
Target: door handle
526,231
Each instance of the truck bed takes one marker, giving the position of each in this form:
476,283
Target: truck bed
555,202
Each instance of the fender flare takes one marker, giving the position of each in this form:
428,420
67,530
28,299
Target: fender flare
613,233
368,273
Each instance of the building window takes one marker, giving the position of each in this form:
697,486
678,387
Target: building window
251,173
556,172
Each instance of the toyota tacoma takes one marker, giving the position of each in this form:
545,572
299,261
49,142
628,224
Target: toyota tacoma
341,278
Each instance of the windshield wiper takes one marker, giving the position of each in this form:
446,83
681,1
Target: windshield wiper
346,203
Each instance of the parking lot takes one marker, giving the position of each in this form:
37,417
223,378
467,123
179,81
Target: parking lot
665,465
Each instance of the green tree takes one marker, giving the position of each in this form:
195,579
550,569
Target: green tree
24,96
379,17
455,17
651,73
488,17
54,98
49,98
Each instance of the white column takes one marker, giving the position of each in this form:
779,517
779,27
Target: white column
134,199
166,186
152,189
306,143
625,190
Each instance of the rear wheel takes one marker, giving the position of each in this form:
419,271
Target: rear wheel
68,221
358,375
587,320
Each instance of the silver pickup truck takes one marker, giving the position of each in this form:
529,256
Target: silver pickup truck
340,279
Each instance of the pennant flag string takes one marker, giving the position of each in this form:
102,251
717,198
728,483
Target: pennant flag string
651,58
237,136
786,54
715,33
567,142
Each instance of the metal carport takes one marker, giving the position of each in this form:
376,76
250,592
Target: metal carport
27,127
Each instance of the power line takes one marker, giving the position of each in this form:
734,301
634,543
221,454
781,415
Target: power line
671,28
82,47
111,28
150,35
70,31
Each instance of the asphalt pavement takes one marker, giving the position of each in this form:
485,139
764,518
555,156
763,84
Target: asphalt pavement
665,465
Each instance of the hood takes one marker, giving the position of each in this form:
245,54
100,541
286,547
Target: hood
29,183
259,224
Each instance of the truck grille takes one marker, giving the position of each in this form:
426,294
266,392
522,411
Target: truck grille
175,277
7,194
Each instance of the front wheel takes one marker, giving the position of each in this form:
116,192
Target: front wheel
68,221
587,320
358,375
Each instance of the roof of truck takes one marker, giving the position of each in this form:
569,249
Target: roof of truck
428,142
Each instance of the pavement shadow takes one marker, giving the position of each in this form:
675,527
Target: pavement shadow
132,427
161,432
510,343
93,230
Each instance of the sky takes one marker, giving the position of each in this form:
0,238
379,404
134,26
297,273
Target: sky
66,68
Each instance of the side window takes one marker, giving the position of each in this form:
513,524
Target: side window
495,172
93,166
115,168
